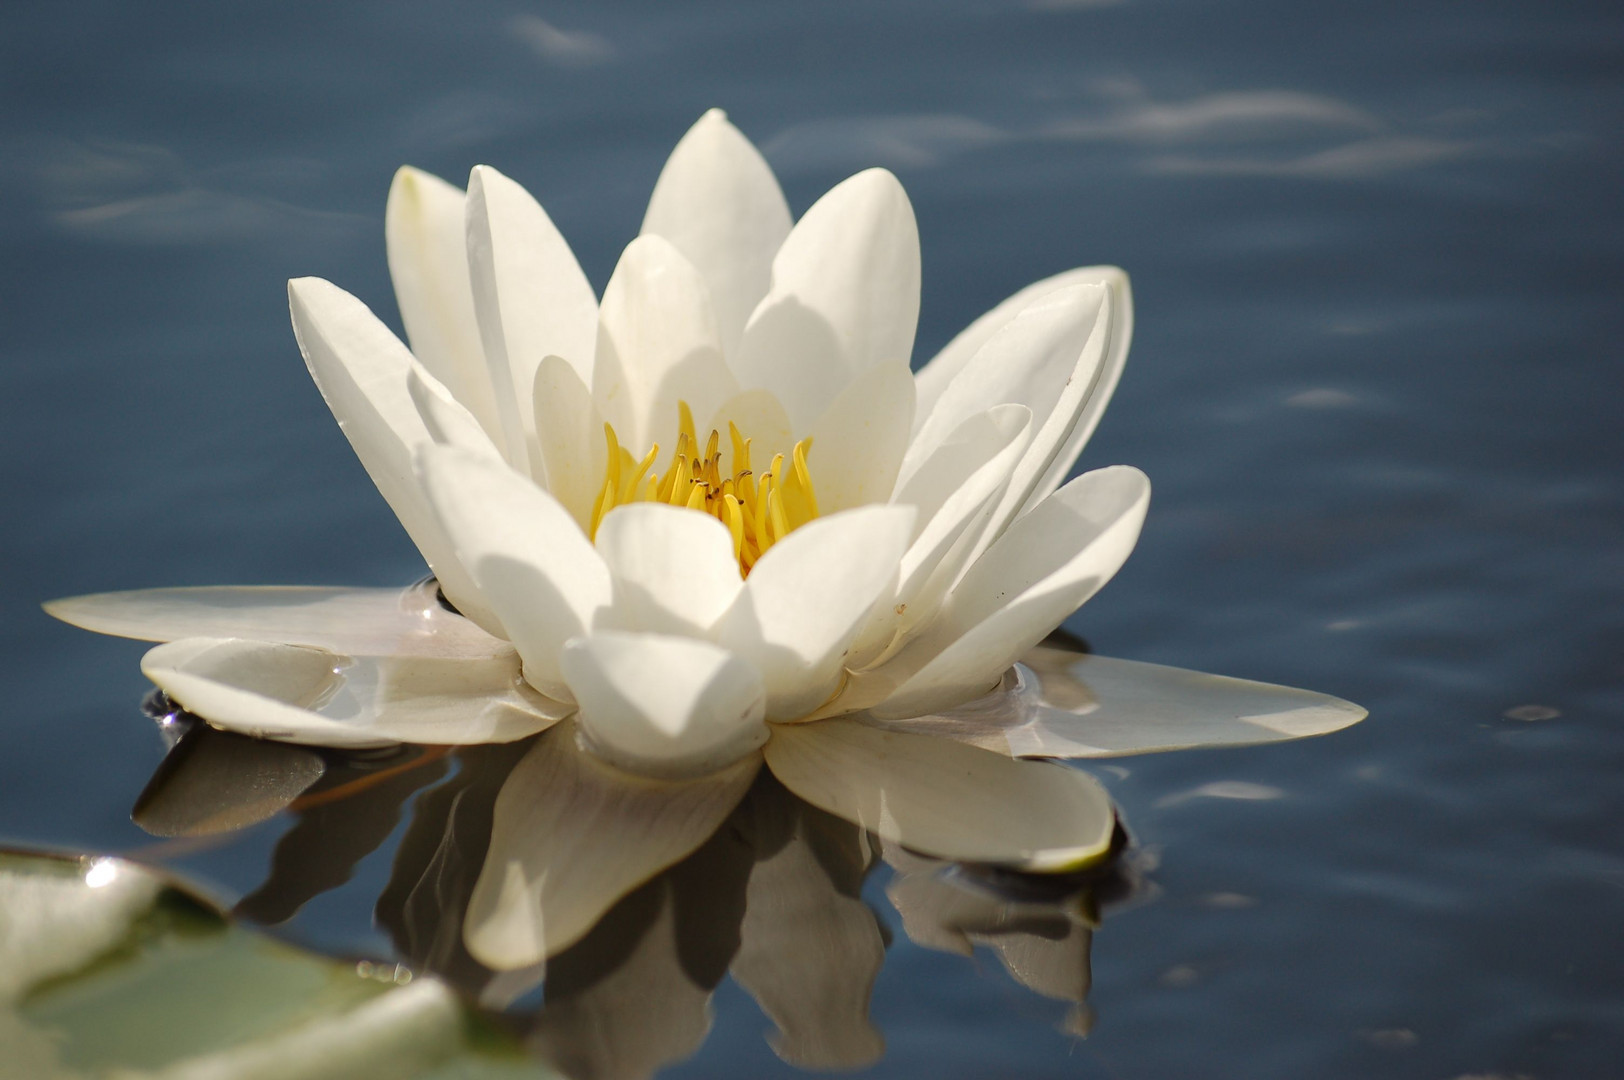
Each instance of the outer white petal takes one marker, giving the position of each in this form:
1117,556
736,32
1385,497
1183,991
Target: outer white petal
954,493
1059,703
444,417
673,568
1048,358
424,230
945,798
844,296
718,201
361,369
805,601
664,706
859,441
530,295
373,622
657,345
1040,571
572,835
944,367
569,434
542,575
295,693
1087,418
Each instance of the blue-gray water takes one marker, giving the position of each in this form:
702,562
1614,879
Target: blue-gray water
1377,253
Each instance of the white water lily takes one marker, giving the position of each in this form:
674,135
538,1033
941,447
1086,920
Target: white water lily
715,519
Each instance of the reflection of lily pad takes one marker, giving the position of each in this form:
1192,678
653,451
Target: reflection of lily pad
108,970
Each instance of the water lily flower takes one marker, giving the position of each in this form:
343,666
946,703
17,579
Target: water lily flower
711,520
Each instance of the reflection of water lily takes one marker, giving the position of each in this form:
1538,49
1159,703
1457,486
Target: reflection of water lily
772,897
838,541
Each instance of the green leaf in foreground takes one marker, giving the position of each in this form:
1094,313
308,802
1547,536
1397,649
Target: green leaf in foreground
108,970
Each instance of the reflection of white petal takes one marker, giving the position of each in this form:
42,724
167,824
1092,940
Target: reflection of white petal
808,597
361,369
376,622
1044,946
572,835
718,202
664,706
845,295
426,237
624,1002
295,693
1048,563
944,798
810,948
1070,705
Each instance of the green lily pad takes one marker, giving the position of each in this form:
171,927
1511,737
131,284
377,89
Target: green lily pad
109,970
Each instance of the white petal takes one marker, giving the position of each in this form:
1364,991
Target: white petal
673,568
760,418
361,369
572,835
569,433
657,345
954,493
1087,418
426,235
444,417
1065,704
530,295
373,622
944,798
664,706
844,296
858,442
295,693
1048,359
718,201
807,598
1040,571
944,367
539,571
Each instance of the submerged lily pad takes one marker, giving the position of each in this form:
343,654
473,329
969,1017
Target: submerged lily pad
108,969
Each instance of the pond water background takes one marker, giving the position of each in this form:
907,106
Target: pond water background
1377,252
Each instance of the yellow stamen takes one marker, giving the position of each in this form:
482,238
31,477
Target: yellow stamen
758,511
735,523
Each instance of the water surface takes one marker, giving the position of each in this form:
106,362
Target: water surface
1376,251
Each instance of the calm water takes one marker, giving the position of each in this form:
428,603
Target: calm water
1377,252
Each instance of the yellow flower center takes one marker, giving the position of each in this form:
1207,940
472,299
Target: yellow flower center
758,511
